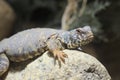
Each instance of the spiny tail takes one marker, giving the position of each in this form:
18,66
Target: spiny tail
4,63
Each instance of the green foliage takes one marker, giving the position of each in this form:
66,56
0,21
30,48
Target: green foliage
88,17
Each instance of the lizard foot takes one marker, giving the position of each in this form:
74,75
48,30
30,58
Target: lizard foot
59,55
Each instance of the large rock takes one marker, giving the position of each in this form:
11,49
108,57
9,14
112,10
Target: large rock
79,66
7,18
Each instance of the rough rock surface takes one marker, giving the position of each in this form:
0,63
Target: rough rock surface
7,19
79,66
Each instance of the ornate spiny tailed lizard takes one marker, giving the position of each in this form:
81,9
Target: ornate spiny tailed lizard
33,42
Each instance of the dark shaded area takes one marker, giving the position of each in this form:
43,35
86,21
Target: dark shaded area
42,15
37,13
110,54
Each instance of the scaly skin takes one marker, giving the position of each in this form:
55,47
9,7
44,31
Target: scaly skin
33,42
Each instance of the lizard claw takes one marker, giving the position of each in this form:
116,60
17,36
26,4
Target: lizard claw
60,56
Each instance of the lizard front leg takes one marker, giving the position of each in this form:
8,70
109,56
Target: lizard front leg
55,46
4,63
60,55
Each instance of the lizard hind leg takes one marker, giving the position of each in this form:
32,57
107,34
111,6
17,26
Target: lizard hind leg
4,63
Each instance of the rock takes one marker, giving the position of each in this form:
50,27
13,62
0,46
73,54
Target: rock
79,66
7,18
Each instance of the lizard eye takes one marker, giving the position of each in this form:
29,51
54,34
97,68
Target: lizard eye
79,31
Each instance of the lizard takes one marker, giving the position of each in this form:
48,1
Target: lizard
34,42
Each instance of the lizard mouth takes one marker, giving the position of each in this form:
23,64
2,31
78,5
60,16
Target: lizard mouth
88,40
90,37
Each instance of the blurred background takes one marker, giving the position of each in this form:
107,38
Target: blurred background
102,15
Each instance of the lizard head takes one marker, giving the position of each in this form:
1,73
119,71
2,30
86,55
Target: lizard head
80,36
